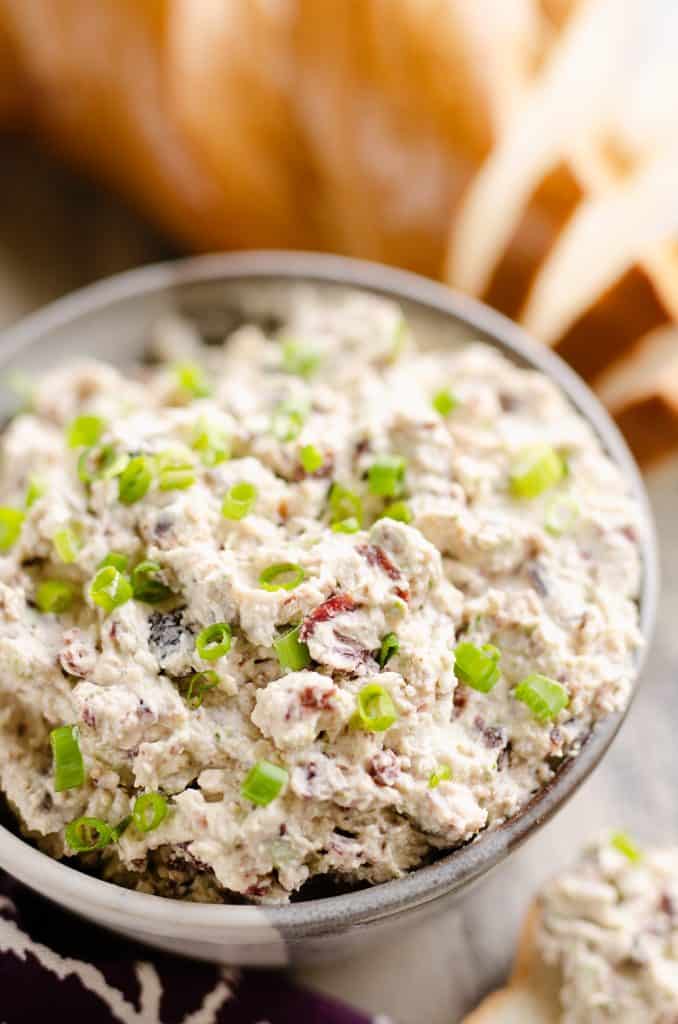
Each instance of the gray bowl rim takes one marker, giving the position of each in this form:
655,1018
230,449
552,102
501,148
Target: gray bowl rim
463,866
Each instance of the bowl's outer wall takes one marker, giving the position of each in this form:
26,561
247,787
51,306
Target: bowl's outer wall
112,320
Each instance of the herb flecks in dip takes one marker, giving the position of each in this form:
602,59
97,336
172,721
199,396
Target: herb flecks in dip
611,925
314,604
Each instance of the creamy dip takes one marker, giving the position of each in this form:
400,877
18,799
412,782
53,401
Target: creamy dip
433,553
611,925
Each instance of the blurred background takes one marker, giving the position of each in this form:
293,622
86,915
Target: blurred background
524,151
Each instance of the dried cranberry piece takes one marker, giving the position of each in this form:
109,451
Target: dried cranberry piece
327,610
384,767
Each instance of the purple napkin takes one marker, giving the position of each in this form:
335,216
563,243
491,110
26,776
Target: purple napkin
56,968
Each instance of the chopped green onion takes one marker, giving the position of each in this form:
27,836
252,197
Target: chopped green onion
399,339
299,358
22,387
146,586
288,419
375,710
562,513
35,490
345,504
116,559
441,774
292,653
477,667
135,480
11,521
543,696
69,768
386,476
398,510
54,596
263,783
121,828
390,645
282,576
86,834
110,589
102,462
149,811
191,379
310,458
350,525
214,641
444,402
239,500
624,844
198,685
175,471
67,544
85,431
211,442
537,468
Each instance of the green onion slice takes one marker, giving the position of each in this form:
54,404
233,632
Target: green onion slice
375,711
146,586
442,774
288,419
311,458
191,379
398,340
624,844
239,500
214,641
398,510
85,431
282,576
386,476
116,559
344,505
543,696
110,589
299,358
121,828
390,645
175,471
11,521
86,834
54,596
211,442
135,480
562,513
536,468
36,489
350,525
444,402
149,811
292,652
66,544
477,667
263,783
198,685
101,462
69,768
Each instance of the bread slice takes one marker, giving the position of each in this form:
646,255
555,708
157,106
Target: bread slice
567,104
532,993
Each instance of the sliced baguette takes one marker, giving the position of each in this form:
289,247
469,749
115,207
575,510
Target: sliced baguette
642,394
568,103
532,993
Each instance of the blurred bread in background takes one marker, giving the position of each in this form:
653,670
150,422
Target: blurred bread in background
500,145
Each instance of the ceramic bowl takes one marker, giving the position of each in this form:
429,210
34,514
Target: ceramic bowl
112,320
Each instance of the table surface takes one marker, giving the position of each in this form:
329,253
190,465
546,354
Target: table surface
58,232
